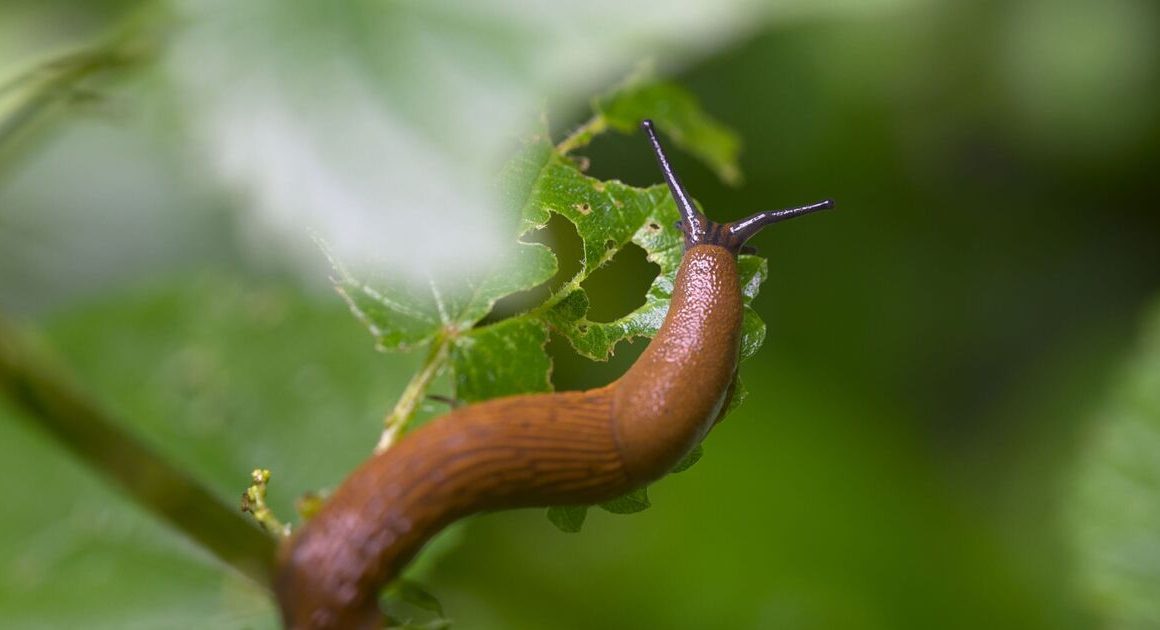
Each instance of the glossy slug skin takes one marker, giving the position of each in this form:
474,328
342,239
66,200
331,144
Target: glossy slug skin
566,448
668,400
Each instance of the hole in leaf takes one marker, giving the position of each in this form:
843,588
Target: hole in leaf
619,287
572,372
560,235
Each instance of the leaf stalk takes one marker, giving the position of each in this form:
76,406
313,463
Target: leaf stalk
400,416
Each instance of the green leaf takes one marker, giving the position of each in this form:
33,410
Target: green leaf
412,593
607,214
1115,504
401,316
631,503
740,392
677,113
693,457
520,176
752,333
507,357
501,360
568,518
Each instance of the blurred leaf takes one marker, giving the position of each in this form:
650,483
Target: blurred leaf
1115,510
693,457
200,369
676,112
401,316
70,79
568,518
46,395
405,593
320,101
413,593
631,503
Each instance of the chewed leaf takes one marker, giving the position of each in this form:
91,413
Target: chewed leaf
528,265
631,503
520,177
607,214
753,271
752,333
507,356
596,340
676,112
568,518
400,316
501,360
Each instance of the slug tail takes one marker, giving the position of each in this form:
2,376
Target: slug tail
521,451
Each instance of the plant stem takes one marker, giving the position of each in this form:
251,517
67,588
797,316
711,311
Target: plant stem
583,134
49,399
416,390
29,95
254,502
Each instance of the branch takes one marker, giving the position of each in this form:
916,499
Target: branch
51,401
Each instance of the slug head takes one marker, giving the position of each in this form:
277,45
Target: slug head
698,229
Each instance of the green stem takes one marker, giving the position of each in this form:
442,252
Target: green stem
416,391
583,134
34,92
254,502
50,400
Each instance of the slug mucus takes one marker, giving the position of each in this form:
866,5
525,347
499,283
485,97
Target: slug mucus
563,448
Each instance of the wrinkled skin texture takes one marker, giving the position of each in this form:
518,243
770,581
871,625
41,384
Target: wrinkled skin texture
567,448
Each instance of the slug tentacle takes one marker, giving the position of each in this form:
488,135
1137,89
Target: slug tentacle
693,222
566,448
698,229
746,228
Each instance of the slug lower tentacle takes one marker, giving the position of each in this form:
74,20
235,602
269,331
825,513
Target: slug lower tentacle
565,448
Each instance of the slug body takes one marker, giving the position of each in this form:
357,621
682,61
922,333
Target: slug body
566,448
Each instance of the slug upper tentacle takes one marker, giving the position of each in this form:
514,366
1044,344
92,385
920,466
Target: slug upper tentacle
565,448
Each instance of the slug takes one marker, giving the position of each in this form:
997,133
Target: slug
564,448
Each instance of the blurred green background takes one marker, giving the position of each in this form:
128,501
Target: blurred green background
954,421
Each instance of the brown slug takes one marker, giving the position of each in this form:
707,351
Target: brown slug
564,448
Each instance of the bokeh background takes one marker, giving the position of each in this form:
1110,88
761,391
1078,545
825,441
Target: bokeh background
954,421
